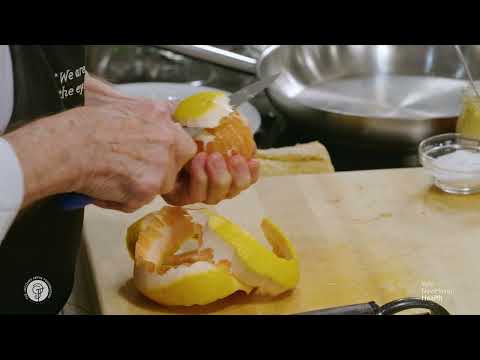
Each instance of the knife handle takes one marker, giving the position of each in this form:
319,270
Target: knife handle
74,201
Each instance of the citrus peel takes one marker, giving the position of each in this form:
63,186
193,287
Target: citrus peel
222,129
225,258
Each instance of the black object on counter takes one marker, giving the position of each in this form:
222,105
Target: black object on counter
391,308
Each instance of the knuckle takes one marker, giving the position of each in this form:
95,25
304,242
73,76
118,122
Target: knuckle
155,110
160,111
147,105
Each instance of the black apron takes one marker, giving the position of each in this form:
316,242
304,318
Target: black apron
44,239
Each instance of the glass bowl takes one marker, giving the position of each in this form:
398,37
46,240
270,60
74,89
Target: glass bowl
453,160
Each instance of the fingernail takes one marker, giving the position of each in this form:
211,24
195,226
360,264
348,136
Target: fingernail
218,161
237,162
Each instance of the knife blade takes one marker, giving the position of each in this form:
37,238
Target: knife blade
250,91
242,96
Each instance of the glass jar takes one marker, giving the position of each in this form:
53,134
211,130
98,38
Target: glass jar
468,123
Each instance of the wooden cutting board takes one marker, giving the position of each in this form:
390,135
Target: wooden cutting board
361,236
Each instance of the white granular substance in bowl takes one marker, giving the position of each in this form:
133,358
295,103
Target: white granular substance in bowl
460,169
460,160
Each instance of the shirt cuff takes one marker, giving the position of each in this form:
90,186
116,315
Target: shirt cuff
11,186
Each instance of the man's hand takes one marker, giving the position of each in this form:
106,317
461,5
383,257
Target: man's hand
210,179
123,154
206,179
123,151
144,157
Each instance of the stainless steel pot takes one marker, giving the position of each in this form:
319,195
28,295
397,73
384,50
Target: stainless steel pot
389,95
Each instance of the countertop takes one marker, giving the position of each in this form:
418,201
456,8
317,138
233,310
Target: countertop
361,236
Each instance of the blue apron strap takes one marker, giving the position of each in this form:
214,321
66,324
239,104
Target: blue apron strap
74,201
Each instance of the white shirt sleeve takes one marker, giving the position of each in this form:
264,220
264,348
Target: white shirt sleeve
11,187
11,175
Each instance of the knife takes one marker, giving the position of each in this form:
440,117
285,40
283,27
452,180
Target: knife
75,201
242,96
250,91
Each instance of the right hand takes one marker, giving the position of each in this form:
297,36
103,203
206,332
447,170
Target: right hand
122,154
135,155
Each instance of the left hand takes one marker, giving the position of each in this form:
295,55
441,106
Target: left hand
210,179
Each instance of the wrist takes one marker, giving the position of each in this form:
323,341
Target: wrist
47,156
